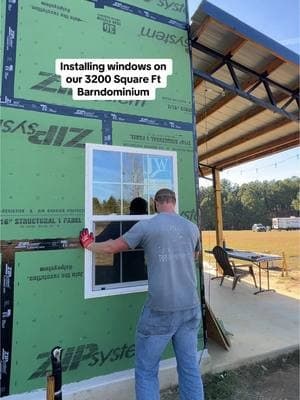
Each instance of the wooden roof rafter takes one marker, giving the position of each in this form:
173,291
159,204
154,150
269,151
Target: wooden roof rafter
252,157
242,131
252,112
247,137
250,83
230,51
283,143
241,35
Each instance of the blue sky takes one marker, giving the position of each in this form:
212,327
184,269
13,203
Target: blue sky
280,21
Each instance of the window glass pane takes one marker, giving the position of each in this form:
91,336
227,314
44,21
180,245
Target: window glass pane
134,266
107,266
133,196
160,170
106,166
106,199
134,168
133,261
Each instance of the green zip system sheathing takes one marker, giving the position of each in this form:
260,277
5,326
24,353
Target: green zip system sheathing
43,136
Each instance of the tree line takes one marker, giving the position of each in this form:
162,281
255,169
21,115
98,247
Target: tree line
250,203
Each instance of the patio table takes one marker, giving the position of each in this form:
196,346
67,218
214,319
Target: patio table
256,259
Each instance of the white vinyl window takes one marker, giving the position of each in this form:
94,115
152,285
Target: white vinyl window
116,179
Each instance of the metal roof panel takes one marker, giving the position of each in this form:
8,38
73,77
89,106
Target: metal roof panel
232,124
208,9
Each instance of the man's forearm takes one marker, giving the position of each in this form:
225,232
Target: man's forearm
109,246
102,247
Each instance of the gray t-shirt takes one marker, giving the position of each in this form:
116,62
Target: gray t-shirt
169,242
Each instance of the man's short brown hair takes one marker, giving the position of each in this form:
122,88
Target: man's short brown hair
165,196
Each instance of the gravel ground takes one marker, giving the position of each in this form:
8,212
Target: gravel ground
276,379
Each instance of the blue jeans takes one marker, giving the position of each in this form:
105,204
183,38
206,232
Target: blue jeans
154,330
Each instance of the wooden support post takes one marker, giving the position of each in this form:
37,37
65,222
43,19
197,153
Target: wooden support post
218,209
50,387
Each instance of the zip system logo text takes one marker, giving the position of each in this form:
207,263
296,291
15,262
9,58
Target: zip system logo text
161,36
51,83
87,355
54,135
170,5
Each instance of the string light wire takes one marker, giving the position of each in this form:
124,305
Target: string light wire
273,164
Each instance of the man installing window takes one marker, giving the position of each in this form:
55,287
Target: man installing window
172,308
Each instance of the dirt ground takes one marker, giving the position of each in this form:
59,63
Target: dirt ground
276,379
274,242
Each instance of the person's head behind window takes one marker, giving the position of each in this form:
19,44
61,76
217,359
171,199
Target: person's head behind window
138,206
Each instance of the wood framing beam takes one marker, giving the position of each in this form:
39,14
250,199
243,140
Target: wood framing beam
221,102
267,148
249,136
200,173
205,171
202,28
278,149
230,51
252,112
268,152
228,28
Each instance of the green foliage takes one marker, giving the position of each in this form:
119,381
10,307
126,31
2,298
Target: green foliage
250,203
207,203
296,203
109,206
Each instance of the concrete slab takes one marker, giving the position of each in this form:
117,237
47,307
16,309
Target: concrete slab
263,325
116,386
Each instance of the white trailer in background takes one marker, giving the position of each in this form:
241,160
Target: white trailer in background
290,223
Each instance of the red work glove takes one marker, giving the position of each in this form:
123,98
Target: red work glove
86,238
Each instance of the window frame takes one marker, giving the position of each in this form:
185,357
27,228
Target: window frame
90,290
